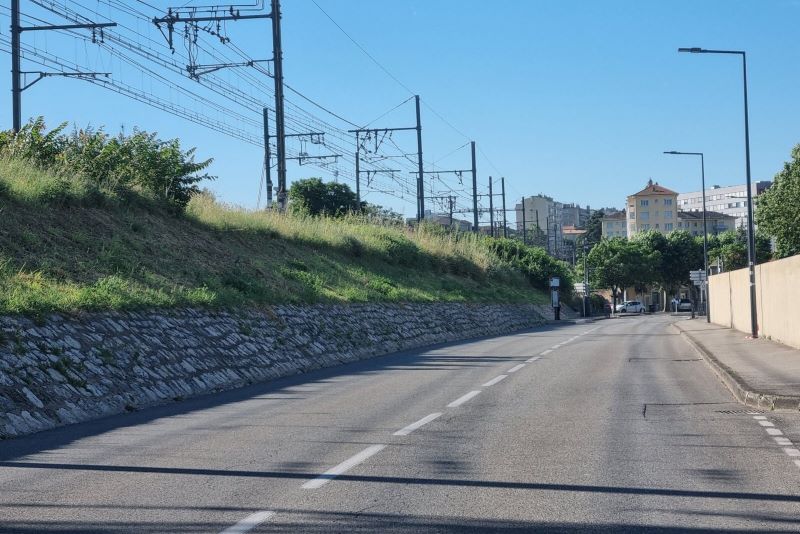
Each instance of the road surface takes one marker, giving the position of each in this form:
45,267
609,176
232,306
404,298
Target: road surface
610,426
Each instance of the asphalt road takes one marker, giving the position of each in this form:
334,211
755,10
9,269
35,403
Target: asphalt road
611,426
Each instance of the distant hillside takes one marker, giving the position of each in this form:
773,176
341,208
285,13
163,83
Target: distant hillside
65,246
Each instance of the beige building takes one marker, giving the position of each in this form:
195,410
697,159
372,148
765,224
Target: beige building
692,222
653,208
615,225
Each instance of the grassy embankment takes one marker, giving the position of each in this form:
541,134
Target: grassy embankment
66,246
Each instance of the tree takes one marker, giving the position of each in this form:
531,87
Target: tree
617,263
315,197
778,209
674,255
731,248
594,227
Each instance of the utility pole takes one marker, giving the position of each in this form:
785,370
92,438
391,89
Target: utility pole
280,125
474,189
358,170
16,70
420,181
586,300
267,158
451,201
505,220
524,224
16,91
491,209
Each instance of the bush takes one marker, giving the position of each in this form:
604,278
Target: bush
535,263
138,161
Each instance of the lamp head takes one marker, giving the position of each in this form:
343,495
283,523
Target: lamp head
693,50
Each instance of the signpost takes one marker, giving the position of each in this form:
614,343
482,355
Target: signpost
700,279
555,283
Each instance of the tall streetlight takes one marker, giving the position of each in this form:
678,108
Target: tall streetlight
705,227
751,240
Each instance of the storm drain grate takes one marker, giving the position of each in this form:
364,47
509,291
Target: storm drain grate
740,412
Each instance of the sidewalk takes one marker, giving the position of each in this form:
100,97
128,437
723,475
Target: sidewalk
760,373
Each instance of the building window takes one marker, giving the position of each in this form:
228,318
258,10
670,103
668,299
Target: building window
668,227
632,215
645,227
668,214
656,226
644,215
644,202
668,202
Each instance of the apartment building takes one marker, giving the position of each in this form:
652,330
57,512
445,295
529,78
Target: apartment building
615,224
692,222
728,200
653,208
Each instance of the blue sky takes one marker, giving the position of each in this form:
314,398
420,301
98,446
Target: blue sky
574,99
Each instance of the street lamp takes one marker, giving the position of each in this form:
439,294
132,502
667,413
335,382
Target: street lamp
751,240
705,228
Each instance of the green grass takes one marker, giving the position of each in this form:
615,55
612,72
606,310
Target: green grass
66,246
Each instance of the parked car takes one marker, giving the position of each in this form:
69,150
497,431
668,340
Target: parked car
685,305
630,306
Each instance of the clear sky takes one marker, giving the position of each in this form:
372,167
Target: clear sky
573,99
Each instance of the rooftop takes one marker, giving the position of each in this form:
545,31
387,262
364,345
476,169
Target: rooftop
654,189
620,215
698,215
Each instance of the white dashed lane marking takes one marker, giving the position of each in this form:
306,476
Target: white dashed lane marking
546,352
343,467
531,360
464,398
413,426
494,381
516,368
249,523
788,447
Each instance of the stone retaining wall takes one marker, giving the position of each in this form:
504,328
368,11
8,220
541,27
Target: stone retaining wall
73,369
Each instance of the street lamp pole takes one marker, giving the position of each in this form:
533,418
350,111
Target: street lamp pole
751,239
705,226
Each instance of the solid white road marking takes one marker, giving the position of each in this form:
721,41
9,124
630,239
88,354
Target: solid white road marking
554,347
773,432
791,451
343,467
413,426
546,352
765,423
464,398
531,360
516,368
249,523
494,381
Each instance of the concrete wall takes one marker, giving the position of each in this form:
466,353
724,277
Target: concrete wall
71,369
777,300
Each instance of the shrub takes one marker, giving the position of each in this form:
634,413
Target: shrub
138,161
537,265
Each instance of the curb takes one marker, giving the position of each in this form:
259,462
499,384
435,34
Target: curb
738,387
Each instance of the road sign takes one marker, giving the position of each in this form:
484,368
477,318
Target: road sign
580,287
697,276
